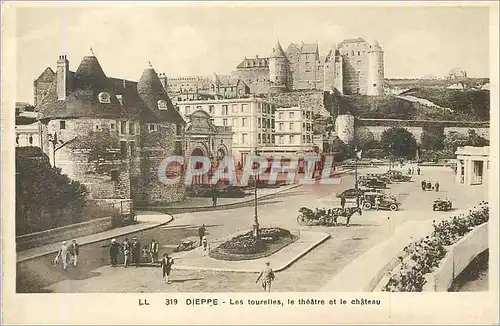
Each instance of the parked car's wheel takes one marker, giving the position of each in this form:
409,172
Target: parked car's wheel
433,207
367,205
393,207
302,220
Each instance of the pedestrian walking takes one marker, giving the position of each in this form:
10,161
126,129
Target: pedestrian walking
377,202
409,171
153,250
412,170
201,233
114,250
136,252
204,243
436,186
423,184
418,170
74,251
429,185
267,276
214,197
126,252
62,255
166,267
342,203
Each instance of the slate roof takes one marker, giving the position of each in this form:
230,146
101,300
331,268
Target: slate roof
139,100
278,51
309,48
254,62
46,76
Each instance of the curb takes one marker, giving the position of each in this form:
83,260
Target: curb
182,210
170,219
325,236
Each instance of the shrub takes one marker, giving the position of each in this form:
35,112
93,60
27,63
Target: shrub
246,244
426,254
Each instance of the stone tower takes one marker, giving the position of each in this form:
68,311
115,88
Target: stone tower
375,70
278,70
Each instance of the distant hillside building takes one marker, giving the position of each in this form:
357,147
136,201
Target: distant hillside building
353,67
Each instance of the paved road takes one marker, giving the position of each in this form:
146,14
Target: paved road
308,274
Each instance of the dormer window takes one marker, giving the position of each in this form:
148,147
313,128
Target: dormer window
104,97
162,104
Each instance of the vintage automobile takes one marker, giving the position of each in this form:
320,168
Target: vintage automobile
397,176
379,176
351,193
442,205
372,183
386,202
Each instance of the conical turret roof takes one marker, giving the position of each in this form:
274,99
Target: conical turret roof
90,72
278,51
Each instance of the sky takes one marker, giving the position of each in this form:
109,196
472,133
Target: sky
188,39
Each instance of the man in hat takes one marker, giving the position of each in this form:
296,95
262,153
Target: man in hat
166,267
201,233
153,251
267,275
114,250
136,251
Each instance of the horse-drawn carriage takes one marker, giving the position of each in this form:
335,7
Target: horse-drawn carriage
326,217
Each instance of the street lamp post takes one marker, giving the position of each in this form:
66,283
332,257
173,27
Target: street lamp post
256,214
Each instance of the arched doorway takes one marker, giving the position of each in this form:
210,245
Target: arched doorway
198,179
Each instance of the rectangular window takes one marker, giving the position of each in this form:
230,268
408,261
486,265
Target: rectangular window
235,122
62,124
280,115
244,122
291,139
198,107
258,138
259,123
243,138
132,128
211,109
224,110
268,138
132,148
188,109
244,108
235,108
290,115
97,127
291,126
282,140
303,138
123,149
151,127
224,122
281,126
123,127
272,124
273,138
235,138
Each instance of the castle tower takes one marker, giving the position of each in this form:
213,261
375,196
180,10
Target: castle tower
329,70
375,70
278,70
338,75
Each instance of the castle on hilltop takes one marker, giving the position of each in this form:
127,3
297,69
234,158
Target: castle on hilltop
353,67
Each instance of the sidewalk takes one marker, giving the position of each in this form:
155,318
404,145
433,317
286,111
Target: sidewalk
195,261
146,220
365,272
203,204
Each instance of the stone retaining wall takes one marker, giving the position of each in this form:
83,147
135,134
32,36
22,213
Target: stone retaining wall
68,233
458,257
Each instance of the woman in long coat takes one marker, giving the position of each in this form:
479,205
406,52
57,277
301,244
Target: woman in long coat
166,267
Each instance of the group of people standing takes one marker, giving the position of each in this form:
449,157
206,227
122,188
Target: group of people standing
133,254
427,185
411,171
68,255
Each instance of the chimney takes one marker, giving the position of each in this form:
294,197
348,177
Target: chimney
62,77
163,80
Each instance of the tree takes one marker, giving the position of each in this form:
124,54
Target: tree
432,138
399,142
43,193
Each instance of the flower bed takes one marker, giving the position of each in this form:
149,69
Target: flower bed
246,247
425,255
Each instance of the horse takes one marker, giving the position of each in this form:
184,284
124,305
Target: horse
347,212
